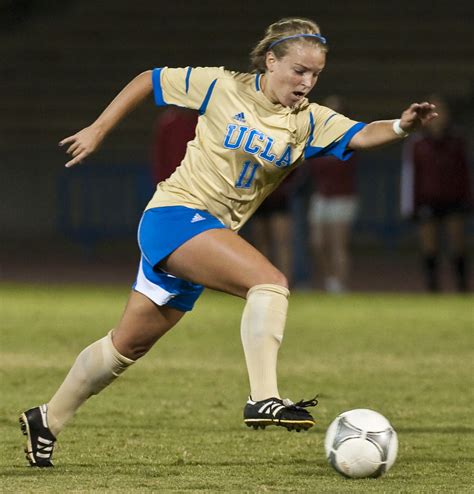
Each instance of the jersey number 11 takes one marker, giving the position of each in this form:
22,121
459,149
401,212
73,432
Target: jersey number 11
247,175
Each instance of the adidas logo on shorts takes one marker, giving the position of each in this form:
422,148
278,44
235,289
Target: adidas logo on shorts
197,217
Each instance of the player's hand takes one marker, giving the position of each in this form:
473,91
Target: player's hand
82,144
417,115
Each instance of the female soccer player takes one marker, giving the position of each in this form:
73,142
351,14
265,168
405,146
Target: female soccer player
253,130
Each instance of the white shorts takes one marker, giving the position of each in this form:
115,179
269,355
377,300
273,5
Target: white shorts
332,209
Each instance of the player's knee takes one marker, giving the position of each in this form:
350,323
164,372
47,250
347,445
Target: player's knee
130,348
135,342
274,277
282,280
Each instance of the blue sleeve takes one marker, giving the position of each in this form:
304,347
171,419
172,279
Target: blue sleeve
337,148
186,87
157,89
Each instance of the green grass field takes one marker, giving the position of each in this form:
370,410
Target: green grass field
172,423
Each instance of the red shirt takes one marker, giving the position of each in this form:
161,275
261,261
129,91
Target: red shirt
438,169
333,177
173,130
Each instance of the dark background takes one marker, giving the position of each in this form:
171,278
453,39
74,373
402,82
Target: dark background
61,62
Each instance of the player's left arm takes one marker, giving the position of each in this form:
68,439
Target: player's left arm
382,131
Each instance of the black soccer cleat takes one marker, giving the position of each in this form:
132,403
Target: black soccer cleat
40,440
274,411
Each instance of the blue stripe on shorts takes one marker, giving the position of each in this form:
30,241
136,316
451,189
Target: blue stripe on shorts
161,231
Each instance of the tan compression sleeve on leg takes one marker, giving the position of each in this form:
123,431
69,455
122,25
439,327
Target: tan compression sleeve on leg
262,328
95,368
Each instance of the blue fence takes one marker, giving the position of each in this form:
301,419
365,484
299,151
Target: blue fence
102,202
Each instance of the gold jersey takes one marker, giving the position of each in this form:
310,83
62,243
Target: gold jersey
245,145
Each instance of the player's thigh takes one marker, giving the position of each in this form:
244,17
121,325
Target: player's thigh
455,227
142,324
321,236
222,260
428,233
340,234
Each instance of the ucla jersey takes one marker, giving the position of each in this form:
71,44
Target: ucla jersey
245,145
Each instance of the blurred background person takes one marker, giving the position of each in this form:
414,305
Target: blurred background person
332,210
173,129
436,193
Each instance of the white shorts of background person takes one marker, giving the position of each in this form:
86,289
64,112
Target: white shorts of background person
330,220
332,209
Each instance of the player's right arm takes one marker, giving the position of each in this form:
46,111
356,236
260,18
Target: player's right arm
87,140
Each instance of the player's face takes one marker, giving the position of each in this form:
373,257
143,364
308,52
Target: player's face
289,79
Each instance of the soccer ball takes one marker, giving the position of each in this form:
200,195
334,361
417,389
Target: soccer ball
361,443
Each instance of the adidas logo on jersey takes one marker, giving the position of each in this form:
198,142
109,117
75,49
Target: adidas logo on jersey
197,217
240,117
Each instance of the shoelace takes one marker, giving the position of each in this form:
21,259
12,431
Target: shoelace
300,404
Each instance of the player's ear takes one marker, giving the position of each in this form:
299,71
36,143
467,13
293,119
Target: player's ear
270,61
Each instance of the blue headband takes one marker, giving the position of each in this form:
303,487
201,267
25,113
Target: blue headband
303,35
